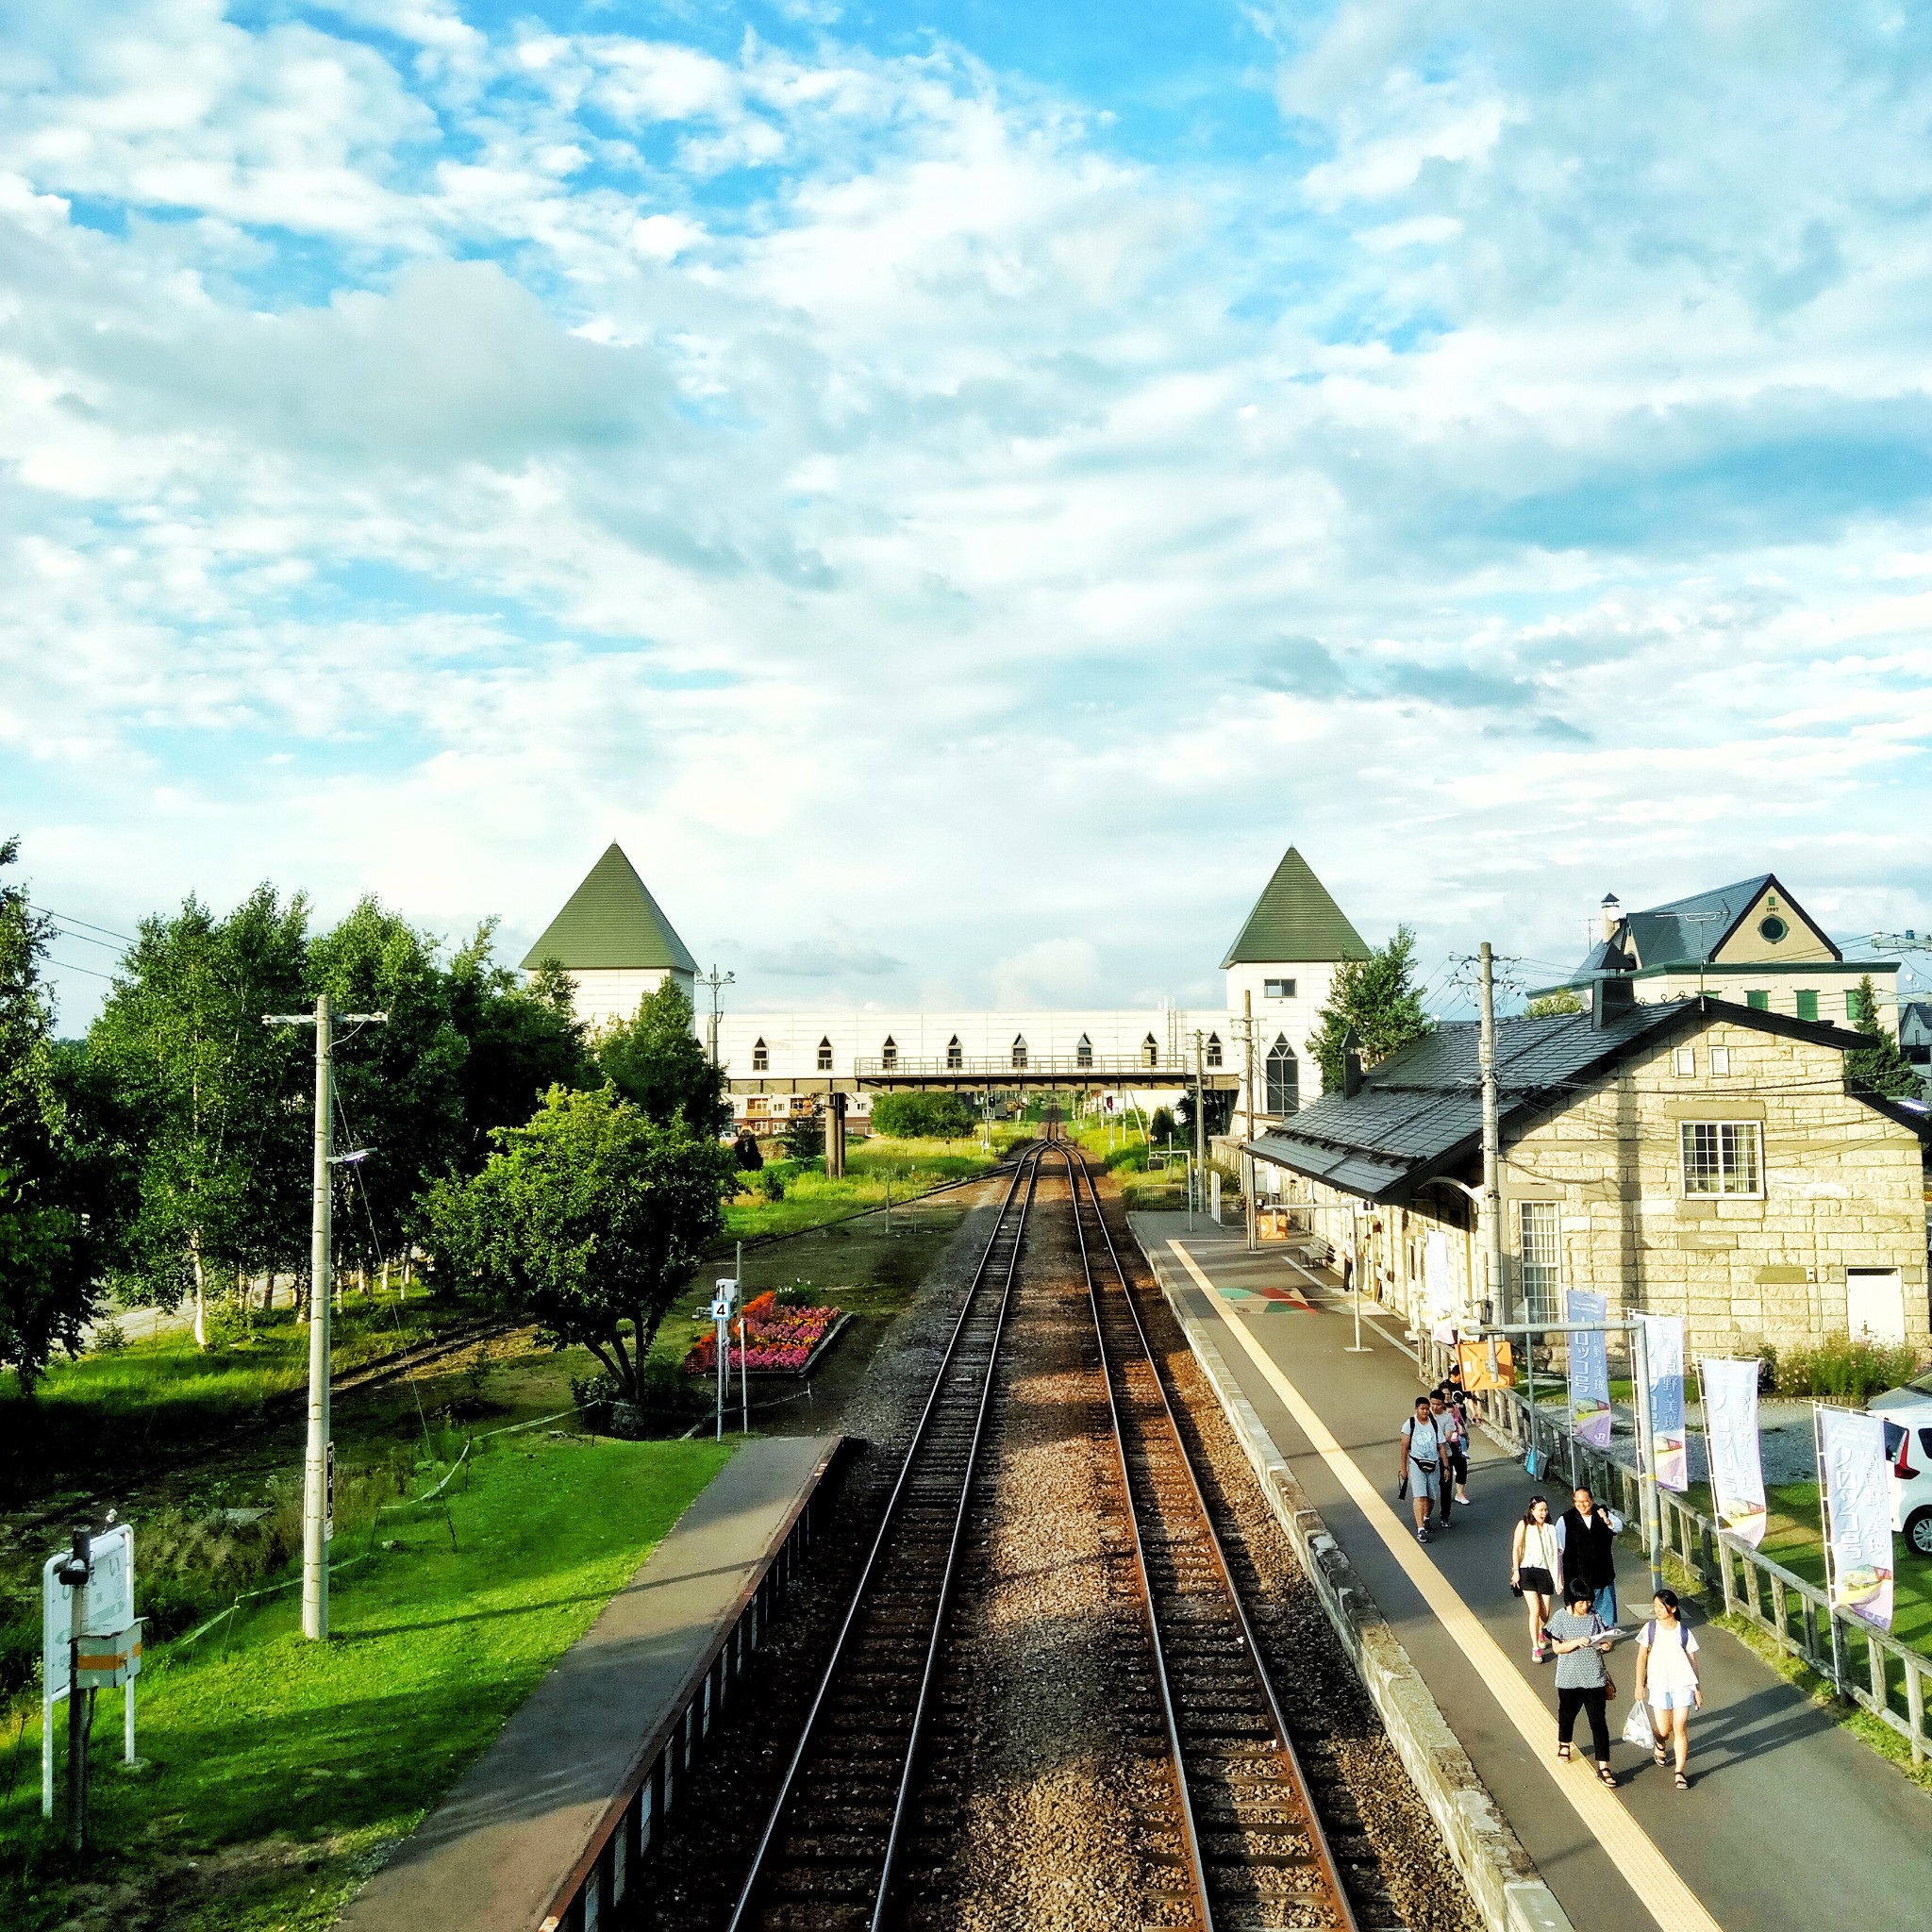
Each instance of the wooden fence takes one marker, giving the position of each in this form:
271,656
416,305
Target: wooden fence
1863,1665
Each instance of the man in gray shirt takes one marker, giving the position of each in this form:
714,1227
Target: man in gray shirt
1578,1637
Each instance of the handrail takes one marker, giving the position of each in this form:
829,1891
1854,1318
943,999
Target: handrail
997,1066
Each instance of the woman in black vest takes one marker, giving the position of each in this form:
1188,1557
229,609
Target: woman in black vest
1587,1535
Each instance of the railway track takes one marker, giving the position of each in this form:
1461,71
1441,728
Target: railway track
1229,1830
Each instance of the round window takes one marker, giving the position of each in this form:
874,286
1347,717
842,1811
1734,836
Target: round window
1771,928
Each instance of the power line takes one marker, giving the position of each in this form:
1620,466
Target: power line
68,966
68,919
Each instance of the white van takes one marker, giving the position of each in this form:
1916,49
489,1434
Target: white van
1907,1417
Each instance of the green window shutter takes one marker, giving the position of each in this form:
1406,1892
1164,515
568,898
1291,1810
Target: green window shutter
1852,1005
1807,1005
1759,1002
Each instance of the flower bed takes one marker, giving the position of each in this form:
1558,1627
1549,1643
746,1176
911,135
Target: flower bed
765,1338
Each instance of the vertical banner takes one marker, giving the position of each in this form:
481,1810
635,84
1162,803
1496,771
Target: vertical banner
1858,1512
1439,1278
1589,1370
1730,1429
1663,1347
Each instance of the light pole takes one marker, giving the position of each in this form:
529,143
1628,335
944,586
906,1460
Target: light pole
717,982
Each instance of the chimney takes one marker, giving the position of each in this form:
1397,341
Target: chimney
1615,996
1351,1064
1613,913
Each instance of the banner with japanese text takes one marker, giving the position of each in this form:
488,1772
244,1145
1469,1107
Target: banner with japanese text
1730,1431
1857,1481
1589,1370
1663,1349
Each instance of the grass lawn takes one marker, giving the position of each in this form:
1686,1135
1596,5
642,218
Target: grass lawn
875,1168
278,1769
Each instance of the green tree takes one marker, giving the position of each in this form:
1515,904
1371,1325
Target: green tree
1378,997
656,1061
221,1099
1160,1128
803,1137
1562,1001
1881,1067
524,1039
924,1116
587,1221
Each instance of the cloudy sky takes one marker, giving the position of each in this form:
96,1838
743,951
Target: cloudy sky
956,487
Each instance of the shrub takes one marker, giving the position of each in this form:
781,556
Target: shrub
1844,1369
922,1116
1160,1128
109,1337
805,1136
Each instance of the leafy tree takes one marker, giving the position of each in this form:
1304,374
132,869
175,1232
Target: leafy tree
1378,997
587,1221
1562,1001
656,1061
62,1193
805,1136
221,1099
398,1086
1881,1067
924,1116
1160,1128
524,1039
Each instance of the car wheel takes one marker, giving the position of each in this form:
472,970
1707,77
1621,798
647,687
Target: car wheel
1919,1532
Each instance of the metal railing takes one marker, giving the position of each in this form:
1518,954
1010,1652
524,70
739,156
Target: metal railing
1863,1665
997,1067
589,1899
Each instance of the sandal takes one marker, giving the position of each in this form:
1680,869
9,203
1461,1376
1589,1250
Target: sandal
1661,1756
1683,1782
1562,1753
1604,1773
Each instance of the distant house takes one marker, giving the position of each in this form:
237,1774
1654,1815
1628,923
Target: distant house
1696,1157
1750,942
1915,1036
615,943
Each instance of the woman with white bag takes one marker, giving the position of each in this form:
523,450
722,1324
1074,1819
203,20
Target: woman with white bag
1666,1681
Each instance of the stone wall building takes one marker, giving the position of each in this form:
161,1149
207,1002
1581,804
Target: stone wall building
1693,1158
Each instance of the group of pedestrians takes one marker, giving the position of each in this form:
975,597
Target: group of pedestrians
1434,1457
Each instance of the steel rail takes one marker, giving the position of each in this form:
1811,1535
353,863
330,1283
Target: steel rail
1304,1796
1027,1170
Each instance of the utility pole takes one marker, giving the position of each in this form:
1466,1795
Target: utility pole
717,982
1248,1055
1200,1117
1492,1192
316,1523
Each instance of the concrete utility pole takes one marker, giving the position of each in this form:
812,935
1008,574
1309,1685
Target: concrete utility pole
1200,1114
717,982
315,1461
1492,1192
1248,1054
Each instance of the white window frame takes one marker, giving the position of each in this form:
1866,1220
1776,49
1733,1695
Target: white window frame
823,1056
1541,1302
760,1058
1721,1062
1727,1163
1278,989
1212,1055
1684,1061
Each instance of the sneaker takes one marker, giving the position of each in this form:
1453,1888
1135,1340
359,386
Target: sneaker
1535,1655
1465,1501
1422,1535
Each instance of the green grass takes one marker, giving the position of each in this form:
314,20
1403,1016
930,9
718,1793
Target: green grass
875,1168
287,1765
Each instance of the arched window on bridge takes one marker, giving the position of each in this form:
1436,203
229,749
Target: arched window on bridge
825,1056
1214,1049
1019,1052
760,1058
955,1056
889,1054
1150,1053
1083,1053
1284,1077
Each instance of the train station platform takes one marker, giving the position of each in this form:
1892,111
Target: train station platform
1791,1820
523,1821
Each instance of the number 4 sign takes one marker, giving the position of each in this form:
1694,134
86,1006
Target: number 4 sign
109,1647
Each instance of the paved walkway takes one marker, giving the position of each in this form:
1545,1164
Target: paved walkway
1790,1821
492,1855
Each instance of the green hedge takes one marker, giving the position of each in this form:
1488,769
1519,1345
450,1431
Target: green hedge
924,1116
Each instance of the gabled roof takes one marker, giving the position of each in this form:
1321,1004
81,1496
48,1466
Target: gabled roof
1420,1112
611,922
1683,934
1294,919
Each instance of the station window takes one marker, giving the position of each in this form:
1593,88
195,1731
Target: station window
1019,1050
1684,1060
1719,1157
955,1058
825,1056
1541,1259
1277,989
1083,1053
1807,1004
889,1054
1721,1061
760,1058
1150,1053
1214,1049
1284,1077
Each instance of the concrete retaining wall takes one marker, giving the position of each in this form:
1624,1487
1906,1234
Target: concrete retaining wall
1499,1872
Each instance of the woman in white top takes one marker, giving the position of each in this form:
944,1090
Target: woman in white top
1536,1568
1666,1679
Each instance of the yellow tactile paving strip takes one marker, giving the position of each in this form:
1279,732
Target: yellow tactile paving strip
1670,1902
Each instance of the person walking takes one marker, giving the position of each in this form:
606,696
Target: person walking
1583,1678
1536,1568
1587,1536
1668,1680
1453,1428
1421,1465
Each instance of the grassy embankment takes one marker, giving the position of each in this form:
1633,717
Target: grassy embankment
1123,1148
278,1770
874,1169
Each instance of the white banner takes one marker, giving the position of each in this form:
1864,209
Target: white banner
1730,1432
1589,1370
1438,1277
1858,1512
1663,1349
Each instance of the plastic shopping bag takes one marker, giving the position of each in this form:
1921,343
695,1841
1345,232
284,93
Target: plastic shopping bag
1637,1728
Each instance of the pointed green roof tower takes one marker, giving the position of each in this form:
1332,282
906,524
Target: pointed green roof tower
1294,919
611,922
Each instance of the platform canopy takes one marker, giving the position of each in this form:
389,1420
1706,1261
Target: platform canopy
1294,919
611,923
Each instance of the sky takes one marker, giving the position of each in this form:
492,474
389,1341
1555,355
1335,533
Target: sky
956,488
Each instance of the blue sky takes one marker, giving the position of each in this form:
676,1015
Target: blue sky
957,489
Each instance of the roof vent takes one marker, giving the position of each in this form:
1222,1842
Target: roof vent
1613,911
1615,996
1351,1064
